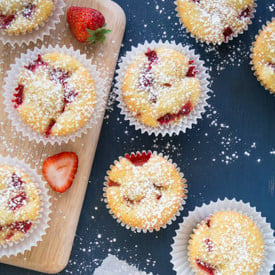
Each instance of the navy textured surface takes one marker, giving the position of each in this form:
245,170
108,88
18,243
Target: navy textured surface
229,153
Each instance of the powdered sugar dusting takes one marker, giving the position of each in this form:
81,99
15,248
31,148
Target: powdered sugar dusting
22,16
214,21
147,185
236,244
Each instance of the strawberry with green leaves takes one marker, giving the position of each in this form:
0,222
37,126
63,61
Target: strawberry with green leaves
87,24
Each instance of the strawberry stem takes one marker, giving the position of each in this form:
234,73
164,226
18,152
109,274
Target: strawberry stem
97,35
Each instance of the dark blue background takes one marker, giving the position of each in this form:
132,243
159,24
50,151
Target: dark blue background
238,125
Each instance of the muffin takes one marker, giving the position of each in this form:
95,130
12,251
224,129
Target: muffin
19,204
21,16
144,191
215,21
161,87
226,243
263,57
56,95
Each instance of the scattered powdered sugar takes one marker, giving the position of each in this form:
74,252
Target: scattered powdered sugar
110,104
235,55
107,244
112,266
271,8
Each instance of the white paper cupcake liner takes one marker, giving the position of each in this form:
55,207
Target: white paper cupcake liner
251,57
180,244
184,123
234,35
40,31
11,83
39,227
136,229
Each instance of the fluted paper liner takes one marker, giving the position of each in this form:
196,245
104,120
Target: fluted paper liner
251,57
139,230
187,121
11,82
180,243
39,32
234,35
39,227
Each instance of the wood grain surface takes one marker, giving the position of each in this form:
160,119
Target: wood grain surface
52,254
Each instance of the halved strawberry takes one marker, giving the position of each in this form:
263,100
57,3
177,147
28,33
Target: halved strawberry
87,24
59,170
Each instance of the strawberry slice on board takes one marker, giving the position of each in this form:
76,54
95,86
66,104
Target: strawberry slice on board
59,170
87,24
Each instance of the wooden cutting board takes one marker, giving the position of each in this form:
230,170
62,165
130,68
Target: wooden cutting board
52,254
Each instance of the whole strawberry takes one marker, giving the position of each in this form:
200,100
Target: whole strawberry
87,24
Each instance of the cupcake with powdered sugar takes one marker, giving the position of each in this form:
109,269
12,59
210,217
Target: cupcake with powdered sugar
53,94
23,21
162,88
144,191
224,237
216,21
263,56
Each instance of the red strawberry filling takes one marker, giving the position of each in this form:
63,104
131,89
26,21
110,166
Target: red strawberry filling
184,111
130,202
227,33
207,222
49,129
19,96
70,95
159,188
36,63
209,245
139,159
29,10
159,196
245,13
5,20
16,182
152,57
196,1
192,69
272,66
18,201
23,227
209,269
59,76
113,183
146,79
